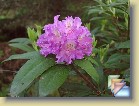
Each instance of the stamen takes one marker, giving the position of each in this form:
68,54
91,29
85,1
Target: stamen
70,46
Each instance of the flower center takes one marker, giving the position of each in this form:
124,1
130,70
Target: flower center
70,46
68,25
56,32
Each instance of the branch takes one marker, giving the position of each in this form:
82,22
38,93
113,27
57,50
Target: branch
88,82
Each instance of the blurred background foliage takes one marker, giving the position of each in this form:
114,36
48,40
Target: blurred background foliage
108,21
110,25
16,15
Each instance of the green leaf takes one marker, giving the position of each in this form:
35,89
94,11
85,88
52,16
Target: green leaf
100,2
31,70
20,40
28,55
22,46
97,18
117,57
74,86
93,61
95,30
125,44
101,77
32,34
118,65
34,45
39,28
87,25
52,79
92,11
118,60
87,66
115,4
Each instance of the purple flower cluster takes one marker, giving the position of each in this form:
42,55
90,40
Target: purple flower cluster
67,39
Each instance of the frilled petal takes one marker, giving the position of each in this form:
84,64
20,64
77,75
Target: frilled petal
56,19
77,22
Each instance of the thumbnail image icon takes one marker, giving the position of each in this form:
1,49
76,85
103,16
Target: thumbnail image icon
118,86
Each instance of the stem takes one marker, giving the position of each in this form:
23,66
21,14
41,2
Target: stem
88,82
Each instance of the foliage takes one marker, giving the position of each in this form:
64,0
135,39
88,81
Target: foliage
111,29
39,69
109,21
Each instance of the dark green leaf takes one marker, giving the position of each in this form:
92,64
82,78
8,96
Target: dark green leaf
92,11
20,40
118,61
52,79
95,30
125,44
74,86
22,46
118,65
117,57
87,66
97,18
28,72
93,61
100,2
115,4
28,55
101,77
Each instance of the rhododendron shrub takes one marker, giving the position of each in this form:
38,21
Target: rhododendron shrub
65,46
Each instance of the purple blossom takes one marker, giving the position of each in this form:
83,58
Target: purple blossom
66,39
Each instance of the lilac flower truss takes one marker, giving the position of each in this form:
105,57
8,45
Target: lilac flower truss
67,39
